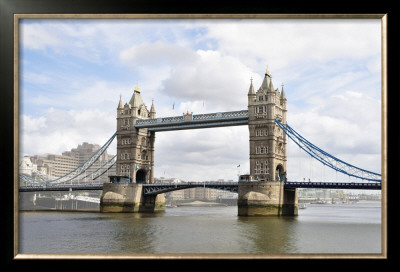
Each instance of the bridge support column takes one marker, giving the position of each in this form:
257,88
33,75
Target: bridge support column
266,199
128,197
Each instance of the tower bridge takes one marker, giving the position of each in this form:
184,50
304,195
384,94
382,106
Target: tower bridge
266,190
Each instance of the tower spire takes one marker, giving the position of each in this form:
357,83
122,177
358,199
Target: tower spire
266,84
137,88
283,96
152,110
120,102
251,89
267,71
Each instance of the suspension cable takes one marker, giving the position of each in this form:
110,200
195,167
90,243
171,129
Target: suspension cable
77,171
327,159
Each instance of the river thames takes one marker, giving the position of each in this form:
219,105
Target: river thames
320,228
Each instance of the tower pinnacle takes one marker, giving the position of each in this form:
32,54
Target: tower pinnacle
267,71
251,89
120,102
137,88
283,96
152,110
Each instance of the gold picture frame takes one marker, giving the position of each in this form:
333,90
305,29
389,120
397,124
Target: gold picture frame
384,95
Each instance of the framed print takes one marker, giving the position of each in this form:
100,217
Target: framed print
199,136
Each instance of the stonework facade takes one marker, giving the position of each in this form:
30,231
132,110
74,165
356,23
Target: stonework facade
135,147
267,140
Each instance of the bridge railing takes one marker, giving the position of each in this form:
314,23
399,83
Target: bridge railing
196,183
60,187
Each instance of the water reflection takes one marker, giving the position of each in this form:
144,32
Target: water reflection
268,234
202,230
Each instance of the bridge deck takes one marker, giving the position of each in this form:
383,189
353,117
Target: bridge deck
217,119
150,189
334,185
61,187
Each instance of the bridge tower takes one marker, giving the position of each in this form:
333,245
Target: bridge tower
267,195
135,160
135,146
267,140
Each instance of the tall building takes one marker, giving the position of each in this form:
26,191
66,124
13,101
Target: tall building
54,165
84,151
267,140
135,147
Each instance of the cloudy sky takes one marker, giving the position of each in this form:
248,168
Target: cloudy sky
72,73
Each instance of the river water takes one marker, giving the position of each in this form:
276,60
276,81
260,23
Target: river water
320,228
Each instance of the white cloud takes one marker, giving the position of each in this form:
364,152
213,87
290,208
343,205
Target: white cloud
281,42
222,82
31,124
202,75
156,54
36,36
202,154
346,125
61,130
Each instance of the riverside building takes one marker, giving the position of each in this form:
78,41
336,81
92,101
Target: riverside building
55,165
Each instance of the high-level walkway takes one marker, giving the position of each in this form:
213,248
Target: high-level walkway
189,121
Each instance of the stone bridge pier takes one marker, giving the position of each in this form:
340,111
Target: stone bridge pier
266,198
129,197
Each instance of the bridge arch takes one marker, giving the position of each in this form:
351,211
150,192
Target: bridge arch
280,173
160,188
141,176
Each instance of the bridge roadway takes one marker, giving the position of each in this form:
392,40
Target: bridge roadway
159,188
